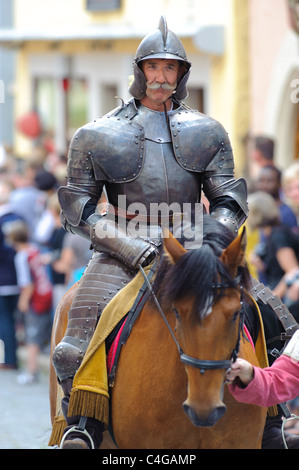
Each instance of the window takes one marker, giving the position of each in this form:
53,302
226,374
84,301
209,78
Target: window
102,5
195,99
44,102
76,105
108,100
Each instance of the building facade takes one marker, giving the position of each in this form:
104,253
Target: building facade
73,57
274,76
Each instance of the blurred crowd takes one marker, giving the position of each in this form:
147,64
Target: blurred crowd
273,229
39,259
273,201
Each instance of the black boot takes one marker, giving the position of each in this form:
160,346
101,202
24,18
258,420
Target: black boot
81,432
86,434
272,438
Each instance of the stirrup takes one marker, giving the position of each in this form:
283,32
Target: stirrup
78,430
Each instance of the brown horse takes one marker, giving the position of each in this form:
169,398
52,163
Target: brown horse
159,370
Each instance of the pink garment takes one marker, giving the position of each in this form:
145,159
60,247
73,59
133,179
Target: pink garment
249,337
272,385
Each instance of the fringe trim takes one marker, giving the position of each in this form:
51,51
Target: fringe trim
59,424
89,404
272,411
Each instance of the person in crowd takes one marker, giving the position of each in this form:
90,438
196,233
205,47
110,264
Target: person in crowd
278,256
26,199
35,300
74,257
9,290
263,150
45,182
261,153
269,181
290,186
52,255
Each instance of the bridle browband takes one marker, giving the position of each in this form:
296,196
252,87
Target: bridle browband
202,364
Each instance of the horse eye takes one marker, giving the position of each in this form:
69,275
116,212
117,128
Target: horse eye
235,315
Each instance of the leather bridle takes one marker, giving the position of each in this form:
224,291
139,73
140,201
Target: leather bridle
202,364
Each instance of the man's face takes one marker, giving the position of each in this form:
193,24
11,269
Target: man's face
161,77
291,191
268,181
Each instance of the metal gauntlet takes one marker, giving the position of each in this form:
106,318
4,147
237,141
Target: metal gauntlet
230,219
108,237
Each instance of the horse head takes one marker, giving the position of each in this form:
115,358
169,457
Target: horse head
205,294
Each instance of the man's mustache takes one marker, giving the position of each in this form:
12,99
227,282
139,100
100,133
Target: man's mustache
164,86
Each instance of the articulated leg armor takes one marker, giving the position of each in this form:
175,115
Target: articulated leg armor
102,279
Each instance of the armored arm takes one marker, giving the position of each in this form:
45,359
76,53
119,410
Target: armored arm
201,144
227,195
228,201
79,199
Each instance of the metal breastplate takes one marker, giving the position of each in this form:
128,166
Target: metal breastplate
136,154
161,178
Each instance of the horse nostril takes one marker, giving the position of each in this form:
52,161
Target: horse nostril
209,421
219,412
190,413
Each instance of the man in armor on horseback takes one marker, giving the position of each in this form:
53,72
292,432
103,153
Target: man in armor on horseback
151,150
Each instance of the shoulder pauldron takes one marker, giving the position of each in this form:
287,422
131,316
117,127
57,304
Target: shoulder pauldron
115,146
200,143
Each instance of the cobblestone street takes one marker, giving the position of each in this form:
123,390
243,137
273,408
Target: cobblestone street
24,412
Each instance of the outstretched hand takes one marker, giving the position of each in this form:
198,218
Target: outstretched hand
242,369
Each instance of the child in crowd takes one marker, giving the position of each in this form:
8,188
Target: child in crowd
9,290
35,298
270,386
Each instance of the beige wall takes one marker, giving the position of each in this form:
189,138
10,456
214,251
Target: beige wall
54,14
230,82
274,63
269,25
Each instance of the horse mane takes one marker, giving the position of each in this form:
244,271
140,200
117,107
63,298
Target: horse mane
198,271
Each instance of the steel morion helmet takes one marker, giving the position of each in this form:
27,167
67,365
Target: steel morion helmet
161,44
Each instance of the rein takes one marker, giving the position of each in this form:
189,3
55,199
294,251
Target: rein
201,364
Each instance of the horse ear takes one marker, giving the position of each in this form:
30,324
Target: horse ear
172,246
234,255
